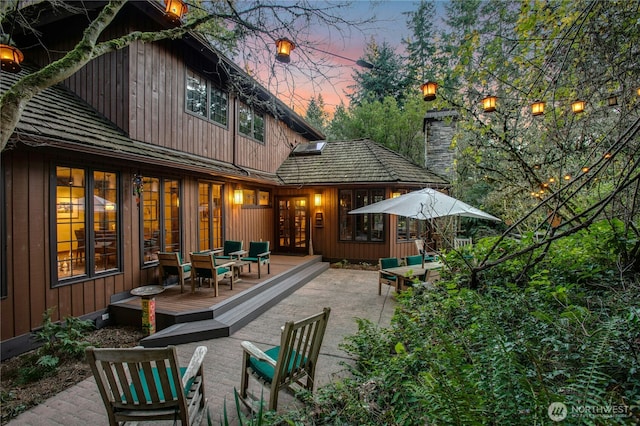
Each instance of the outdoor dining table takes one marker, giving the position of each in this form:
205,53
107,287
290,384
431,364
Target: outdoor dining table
408,273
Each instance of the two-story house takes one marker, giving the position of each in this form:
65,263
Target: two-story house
147,149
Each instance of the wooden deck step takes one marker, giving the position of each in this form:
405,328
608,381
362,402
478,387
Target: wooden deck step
235,313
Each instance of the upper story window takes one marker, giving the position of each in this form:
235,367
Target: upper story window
250,123
206,100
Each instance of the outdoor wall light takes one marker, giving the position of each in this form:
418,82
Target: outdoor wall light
283,50
10,58
537,108
175,9
577,106
429,90
489,103
395,194
317,199
237,197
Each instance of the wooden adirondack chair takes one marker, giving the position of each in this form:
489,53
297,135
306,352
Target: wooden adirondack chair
204,266
140,384
171,264
282,367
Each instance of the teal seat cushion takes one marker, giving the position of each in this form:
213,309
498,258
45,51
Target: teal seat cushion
156,379
388,277
251,259
221,270
266,370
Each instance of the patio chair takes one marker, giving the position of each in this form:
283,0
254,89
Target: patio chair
287,366
392,280
259,253
413,260
80,247
171,264
140,384
204,266
230,250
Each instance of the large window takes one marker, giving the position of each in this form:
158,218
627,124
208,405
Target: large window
209,216
160,217
86,211
250,123
360,227
206,100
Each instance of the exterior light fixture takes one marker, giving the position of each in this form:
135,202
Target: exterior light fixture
567,177
237,197
283,50
537,108
585,169
429,90
10,58
395,194
489,103
577,106
317,199
175,9
612,100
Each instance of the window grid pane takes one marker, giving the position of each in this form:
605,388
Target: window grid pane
196,94
218,106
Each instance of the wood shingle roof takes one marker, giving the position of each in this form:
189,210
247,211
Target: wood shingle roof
361,161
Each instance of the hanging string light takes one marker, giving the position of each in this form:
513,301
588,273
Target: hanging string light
10,58
284,47
537,108
429,90
175,10
489,103
577,106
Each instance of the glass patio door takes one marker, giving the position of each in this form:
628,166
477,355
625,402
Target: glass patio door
293,225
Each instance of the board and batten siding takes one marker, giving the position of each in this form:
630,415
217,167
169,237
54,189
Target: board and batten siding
29,290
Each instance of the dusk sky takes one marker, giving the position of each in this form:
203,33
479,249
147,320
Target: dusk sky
390,26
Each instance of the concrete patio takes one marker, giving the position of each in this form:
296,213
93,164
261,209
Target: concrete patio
350,294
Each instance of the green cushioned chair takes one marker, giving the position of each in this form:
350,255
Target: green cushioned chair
291,364
171,264
139,384
205,267
392,280
230,250
259,253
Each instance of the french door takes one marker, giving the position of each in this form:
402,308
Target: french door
293,225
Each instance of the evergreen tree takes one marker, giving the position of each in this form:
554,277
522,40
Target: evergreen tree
316,113
387,78
421,46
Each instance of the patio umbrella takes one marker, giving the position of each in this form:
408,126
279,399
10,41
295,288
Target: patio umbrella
99,204
426,203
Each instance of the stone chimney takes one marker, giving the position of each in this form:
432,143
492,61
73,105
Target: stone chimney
439,126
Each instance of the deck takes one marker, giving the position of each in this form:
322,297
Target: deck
188,317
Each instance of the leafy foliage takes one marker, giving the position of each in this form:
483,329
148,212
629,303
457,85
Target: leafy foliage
60,341
567,332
